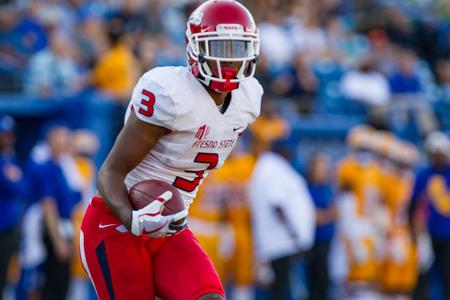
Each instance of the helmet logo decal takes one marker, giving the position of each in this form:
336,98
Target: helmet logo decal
196,18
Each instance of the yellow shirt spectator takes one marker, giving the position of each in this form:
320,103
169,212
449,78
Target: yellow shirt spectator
116,72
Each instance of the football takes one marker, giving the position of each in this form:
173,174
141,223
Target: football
145,192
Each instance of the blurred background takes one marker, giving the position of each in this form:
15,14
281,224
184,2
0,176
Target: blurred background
357,100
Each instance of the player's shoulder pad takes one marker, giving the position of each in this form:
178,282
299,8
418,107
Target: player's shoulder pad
154,97
252,93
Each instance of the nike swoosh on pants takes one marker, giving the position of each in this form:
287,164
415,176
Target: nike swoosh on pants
107,225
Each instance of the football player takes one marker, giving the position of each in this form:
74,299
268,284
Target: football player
357,178
181,123
399,258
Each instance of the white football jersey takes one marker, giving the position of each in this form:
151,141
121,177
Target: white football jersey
200,137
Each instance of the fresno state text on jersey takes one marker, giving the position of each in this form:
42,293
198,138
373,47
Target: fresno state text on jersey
200,138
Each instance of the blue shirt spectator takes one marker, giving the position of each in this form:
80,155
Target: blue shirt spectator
322,195
45,169
12,189
20,36
53,71
12,183
55,186
321,190
12,192
404,83
404,80
432,186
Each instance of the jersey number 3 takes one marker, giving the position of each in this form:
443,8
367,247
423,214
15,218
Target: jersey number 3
212,159
147,102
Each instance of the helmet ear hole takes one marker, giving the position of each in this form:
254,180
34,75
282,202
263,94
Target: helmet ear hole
247,69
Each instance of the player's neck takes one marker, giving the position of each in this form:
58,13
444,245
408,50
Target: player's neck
219,98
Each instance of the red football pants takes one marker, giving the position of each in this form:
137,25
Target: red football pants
127,267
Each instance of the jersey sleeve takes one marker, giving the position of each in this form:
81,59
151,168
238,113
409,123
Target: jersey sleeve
152,104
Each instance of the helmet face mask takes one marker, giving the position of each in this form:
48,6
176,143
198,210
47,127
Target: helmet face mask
222,44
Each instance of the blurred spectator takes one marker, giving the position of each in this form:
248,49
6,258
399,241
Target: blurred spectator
91,39
147,51
220,219
207,219
357,203
32,252
399,255
116,72
297,82
382,50
20,37
344,43
85,146
276,42
54,15
408,98
131,14
58,200
153,18
283,216
168,53
366,84
398,26
321,190
432,188
307,35
238,214
12,192
404,78
443,78
369,86
54,72
265,77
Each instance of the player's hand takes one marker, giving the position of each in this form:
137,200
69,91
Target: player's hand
63,249
149,221
360,253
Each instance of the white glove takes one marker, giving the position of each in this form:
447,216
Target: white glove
149,221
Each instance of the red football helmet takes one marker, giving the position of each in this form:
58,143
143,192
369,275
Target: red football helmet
222,31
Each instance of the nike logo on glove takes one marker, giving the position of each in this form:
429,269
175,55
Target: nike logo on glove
236,128
106,225
144,231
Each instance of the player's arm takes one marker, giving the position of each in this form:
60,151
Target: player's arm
416,197
62,247
326,215
133,143
281,214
